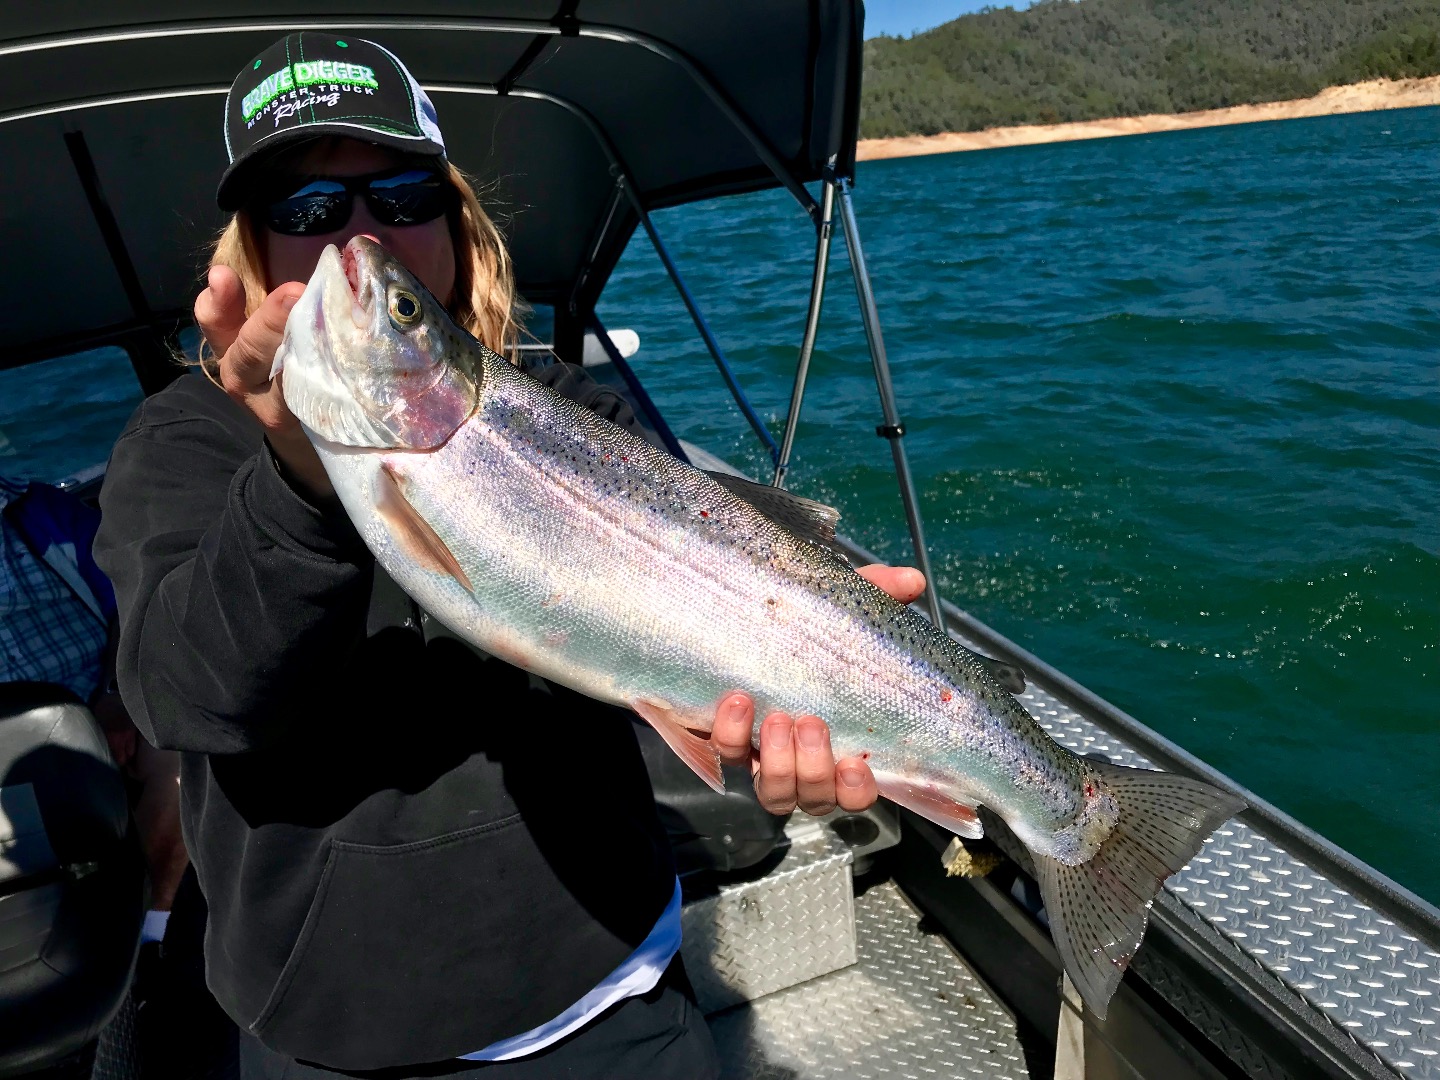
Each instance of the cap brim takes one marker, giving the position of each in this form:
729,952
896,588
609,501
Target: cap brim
233,192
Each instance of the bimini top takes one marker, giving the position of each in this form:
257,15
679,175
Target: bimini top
111,116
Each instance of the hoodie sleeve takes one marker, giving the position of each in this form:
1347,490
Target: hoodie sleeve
238,599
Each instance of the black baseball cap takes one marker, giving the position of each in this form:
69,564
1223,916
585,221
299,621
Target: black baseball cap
311,84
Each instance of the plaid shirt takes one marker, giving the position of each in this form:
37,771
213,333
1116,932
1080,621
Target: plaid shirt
47,634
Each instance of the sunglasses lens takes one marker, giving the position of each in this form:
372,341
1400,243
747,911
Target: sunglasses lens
410,198
321,206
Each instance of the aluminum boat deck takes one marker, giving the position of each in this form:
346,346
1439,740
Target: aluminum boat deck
908,1008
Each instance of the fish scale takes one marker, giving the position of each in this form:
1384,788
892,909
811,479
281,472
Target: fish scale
561,543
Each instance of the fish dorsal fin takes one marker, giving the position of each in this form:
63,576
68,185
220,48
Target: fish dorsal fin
1010,677
806,518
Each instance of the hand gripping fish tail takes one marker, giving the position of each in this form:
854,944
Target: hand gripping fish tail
564,544
1099,908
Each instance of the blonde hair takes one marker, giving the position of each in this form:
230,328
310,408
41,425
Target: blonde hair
483,303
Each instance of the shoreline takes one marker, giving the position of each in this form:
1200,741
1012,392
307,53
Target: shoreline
1372,96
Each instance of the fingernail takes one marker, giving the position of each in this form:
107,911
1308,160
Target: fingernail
735,710
852,776
811,735
288,302
777,733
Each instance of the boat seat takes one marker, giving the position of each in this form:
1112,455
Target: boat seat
708,831
72,880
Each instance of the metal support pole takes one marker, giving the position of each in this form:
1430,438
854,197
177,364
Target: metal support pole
701,325
892,430
582,279
812,326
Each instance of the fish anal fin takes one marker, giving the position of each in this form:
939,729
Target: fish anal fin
1098,909
700,754
931,803
411,532
806,518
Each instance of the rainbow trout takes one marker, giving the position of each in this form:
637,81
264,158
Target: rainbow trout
563,544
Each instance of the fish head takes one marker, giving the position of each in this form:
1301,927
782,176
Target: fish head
371,359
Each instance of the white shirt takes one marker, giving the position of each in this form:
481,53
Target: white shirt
637,975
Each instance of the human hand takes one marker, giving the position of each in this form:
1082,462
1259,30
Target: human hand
795,765
245,349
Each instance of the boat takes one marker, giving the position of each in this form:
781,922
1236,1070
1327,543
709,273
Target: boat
855,945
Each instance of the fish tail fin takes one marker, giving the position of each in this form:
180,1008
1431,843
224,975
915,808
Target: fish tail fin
1098,910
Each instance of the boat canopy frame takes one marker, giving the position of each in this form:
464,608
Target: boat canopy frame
58,74
149,335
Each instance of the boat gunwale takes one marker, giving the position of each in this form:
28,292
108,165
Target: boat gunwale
1350,872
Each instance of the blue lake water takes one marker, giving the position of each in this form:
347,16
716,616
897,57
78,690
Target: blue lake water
1173,406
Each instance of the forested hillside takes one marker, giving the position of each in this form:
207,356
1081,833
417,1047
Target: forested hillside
1087,59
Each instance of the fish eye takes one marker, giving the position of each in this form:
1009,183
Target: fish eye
404,307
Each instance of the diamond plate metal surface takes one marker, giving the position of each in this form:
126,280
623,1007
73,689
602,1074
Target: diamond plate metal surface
117,1057
756,937
908,1008
1370,975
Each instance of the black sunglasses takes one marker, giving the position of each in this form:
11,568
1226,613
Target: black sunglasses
324,204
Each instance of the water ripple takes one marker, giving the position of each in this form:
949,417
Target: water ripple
1174,416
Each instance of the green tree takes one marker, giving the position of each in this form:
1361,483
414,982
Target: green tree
1065,60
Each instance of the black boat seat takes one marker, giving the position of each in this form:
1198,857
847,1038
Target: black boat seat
72,880
707,830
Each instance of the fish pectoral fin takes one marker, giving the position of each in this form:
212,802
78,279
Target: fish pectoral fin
1010,677
806,518
411,532
930,802
700,754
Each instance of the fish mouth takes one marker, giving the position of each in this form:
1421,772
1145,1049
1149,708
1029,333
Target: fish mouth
359,290
351,270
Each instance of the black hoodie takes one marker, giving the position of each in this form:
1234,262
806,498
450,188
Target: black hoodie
408,851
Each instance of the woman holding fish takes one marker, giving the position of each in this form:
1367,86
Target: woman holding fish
415,857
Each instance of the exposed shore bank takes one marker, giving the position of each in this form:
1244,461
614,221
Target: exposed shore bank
1357,97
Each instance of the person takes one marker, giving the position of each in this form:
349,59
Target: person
57,621
55,605
417,860
57,612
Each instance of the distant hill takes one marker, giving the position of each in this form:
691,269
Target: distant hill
1065,60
